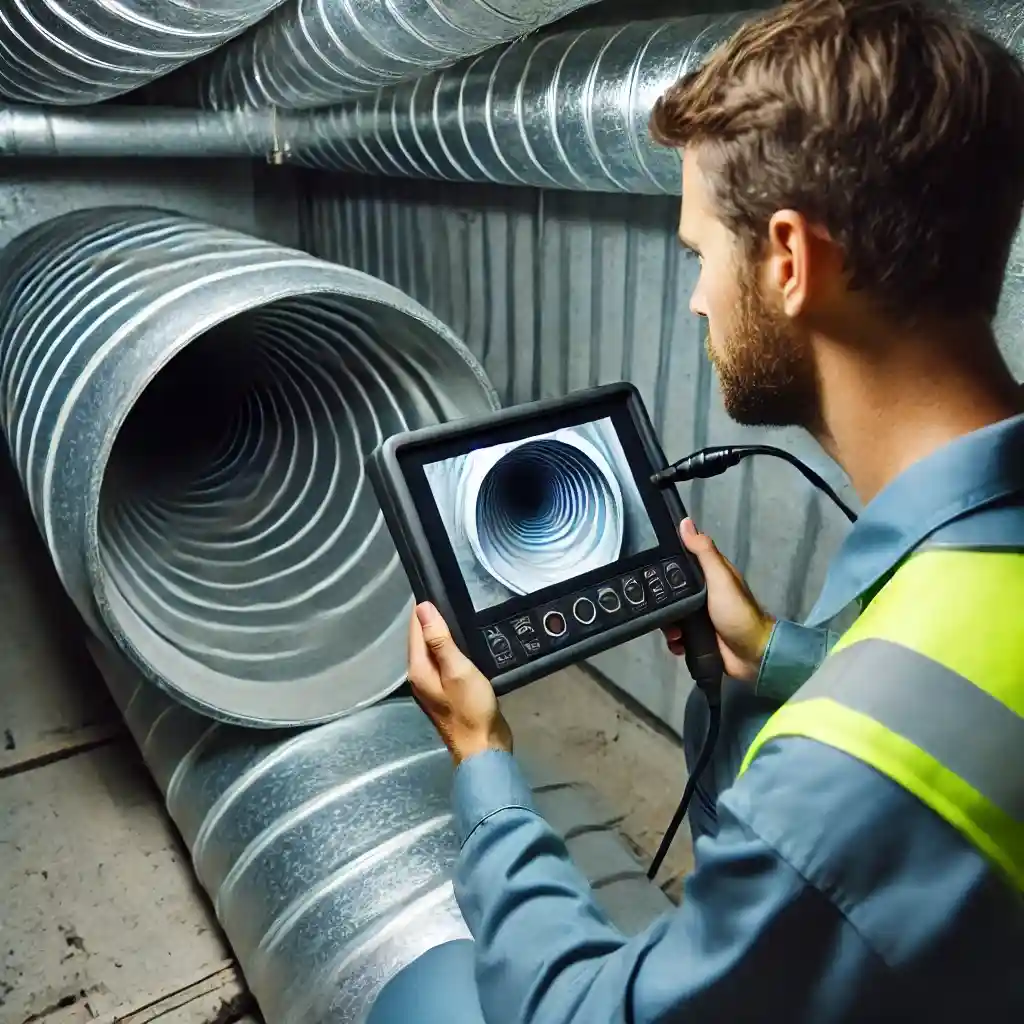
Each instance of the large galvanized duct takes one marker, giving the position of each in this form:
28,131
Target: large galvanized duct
313,53
188,409
328,853
569,110
83,51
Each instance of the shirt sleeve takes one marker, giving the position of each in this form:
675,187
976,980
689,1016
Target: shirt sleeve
751,938
792,656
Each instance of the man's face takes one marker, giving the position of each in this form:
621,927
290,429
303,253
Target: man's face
764,362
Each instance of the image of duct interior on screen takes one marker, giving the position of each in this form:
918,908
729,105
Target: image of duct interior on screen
525,515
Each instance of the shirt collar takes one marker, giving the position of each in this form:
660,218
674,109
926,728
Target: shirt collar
967,474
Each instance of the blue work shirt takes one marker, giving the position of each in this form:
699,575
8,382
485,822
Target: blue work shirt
822,892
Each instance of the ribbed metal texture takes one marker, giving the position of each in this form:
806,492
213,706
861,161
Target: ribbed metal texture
567,110
556,291
188,409
328,853
313,53
83,51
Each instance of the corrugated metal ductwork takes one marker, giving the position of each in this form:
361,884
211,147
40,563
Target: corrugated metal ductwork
313,53
188,409
84,51
568,110
328,853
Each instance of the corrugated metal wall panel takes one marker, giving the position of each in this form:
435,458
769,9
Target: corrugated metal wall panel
555,291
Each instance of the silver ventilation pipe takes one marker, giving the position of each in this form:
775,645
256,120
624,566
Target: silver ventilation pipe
188,409
314,53
566,111
84,51
328,854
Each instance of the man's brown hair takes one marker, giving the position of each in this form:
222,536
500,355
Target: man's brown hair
893,124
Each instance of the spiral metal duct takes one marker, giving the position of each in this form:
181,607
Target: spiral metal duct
524,515
188,409
569,110
313,53
541,511
328,853
83,51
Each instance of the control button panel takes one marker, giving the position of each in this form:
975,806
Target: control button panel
565,621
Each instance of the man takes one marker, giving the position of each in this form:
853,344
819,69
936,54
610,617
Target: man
853,175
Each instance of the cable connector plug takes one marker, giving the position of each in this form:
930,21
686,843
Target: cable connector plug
700,465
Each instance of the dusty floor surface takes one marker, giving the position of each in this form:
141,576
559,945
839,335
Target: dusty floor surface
575,721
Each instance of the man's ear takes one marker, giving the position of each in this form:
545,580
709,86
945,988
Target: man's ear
788,263
801,261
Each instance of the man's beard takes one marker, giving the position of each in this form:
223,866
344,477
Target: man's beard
765,370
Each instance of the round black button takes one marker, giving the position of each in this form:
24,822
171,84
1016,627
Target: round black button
583,610
675,577
609,600
634,591
554,624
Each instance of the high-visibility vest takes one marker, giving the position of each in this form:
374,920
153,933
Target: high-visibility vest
927,687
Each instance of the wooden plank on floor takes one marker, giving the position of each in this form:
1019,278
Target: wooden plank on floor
100,905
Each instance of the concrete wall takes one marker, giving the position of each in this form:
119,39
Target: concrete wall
557,291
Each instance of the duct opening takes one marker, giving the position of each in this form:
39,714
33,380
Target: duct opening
243,553
544,506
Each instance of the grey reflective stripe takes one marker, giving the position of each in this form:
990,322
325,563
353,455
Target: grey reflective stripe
961,726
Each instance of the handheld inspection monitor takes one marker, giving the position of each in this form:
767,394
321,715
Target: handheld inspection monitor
537,531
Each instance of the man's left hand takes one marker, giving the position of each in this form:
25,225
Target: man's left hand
457,697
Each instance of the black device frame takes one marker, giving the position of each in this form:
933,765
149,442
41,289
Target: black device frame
396,472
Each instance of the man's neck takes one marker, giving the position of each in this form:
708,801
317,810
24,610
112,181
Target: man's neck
891,406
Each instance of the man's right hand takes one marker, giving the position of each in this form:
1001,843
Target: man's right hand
742,625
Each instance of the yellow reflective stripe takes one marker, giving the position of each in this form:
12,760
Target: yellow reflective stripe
963,609
993,833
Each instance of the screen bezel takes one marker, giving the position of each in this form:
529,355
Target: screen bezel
414,457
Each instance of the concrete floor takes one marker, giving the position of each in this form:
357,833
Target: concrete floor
101,918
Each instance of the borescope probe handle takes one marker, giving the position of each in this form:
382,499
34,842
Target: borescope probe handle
703,657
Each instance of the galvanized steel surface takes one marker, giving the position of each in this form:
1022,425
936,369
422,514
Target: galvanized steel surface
188,408
312,53
567,110
84,51
329,853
